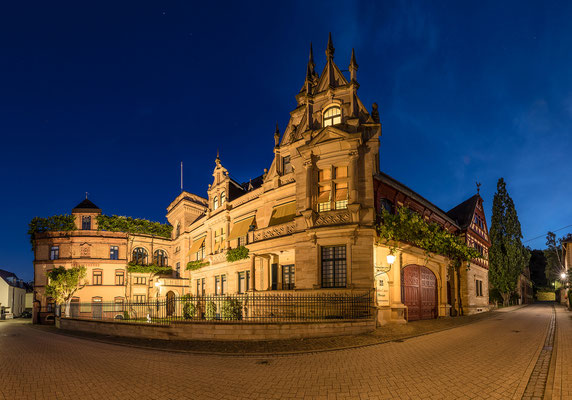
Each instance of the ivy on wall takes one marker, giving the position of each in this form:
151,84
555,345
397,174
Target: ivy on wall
62,222
239,253
116,223
149,269
407,226
194,265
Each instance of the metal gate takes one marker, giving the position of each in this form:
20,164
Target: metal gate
170,303
419,292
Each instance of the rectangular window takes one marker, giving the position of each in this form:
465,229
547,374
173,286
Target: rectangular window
223,284
201,252
324,198
334,268
86,223
178,270
139,298
118,304
288,277
119,278
54,252
242,241
479,287
286,165
241,282
97,277
203,288
140,280
217,285
114,253
198,287
341,195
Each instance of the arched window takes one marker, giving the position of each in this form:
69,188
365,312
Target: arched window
222,198
139,256
215,203
332,116
160,258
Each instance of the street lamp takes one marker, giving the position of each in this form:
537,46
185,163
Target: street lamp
158,285
390,259
563,275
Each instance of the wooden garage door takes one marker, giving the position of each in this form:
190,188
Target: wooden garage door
419,292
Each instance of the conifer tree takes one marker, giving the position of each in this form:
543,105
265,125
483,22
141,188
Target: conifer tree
507,256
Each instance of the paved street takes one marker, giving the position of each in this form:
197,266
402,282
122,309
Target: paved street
489,359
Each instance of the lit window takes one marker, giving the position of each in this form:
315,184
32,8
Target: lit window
139,298
243,281
160,258
140,280
332,116
222,198
215,202
140,256
113,252
86,223
54,252
333,188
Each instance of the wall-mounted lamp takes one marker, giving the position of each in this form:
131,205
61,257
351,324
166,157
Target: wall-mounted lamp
563,275
390,259
381,269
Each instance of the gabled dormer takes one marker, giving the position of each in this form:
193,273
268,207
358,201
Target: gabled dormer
86,215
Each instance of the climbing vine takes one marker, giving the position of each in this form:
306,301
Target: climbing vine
116,223
194,265
150,269
407,226
62,222
239,253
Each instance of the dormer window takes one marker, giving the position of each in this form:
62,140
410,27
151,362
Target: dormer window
222,198
86,223
215,203
332,116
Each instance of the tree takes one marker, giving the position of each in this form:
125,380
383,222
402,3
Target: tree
554,256
64,283
507,255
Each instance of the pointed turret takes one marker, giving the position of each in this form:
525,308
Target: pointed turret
311,64
217,160
353,67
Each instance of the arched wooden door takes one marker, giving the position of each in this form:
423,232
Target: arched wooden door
170,303
419,292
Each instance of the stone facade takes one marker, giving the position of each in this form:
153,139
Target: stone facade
308,221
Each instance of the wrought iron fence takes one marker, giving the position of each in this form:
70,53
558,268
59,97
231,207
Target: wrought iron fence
250,307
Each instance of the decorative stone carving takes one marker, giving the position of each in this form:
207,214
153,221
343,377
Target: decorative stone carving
333,218
274,231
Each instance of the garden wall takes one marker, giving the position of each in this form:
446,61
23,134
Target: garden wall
220,330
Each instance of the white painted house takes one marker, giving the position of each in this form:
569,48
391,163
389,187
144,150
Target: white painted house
12,295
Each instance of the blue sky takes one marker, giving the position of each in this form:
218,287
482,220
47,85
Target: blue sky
109,98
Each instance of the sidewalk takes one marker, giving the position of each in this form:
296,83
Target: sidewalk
386,333
562,387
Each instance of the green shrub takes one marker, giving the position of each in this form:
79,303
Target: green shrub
231,309
189,310
210,313
115,223
148,269
125,315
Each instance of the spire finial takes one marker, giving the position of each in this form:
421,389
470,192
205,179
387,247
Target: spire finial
86,195
353,66
330,49
478,187
276,135
311,58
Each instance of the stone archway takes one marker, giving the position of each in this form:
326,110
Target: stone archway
419,292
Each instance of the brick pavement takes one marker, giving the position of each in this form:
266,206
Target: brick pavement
489,359
562,387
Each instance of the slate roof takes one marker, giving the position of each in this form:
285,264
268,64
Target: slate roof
463,213
7,274
86,205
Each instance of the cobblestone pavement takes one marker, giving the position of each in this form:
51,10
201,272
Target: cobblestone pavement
489,359
562,388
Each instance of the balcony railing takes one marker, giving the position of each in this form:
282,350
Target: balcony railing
274,231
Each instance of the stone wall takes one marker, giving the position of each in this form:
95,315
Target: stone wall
220,330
